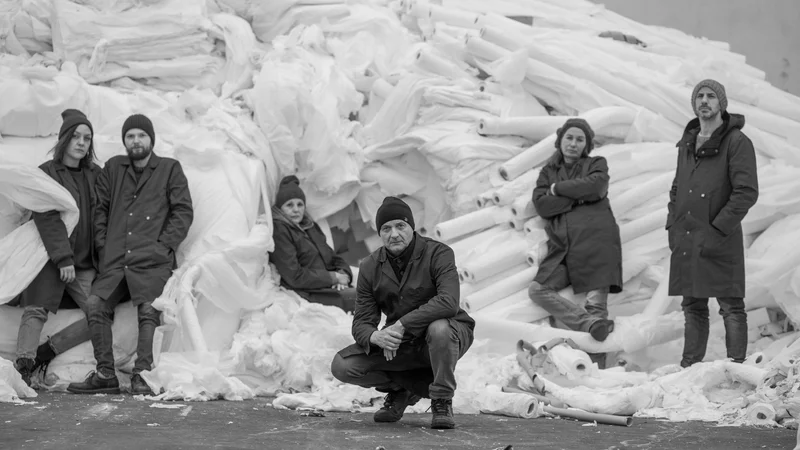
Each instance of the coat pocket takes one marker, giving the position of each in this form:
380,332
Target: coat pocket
717,245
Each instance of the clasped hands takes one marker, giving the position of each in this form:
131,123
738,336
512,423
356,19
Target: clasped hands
343,280
389,339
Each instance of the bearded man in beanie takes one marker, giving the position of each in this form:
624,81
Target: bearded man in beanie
143,213
716,183
413,281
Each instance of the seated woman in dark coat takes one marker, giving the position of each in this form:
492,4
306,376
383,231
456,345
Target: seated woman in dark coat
306,263
584,248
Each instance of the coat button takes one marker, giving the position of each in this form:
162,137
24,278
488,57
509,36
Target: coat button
684,253
687,232
702,195
689,213
134,196
690,191
148,217
129,233
126,267
130,214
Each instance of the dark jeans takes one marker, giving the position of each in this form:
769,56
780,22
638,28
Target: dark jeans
695,313
101,317
426,369
573,316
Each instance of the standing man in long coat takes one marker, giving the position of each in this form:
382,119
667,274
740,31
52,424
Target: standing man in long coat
144,211
715,185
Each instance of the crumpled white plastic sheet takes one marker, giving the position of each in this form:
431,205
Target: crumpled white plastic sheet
22,189
12,388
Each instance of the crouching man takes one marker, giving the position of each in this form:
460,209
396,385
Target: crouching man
413,280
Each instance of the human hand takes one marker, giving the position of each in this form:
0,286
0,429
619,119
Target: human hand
68,274
398,327
389,354
342,278
386,339
339,287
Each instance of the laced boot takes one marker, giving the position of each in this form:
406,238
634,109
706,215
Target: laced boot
395,405
442,414
96,383
25,368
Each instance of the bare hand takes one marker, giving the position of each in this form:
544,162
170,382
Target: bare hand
68,274
387,339
389,354
339,287
342,278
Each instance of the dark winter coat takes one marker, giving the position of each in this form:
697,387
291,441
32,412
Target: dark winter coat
581,230
428,291
139,226
304,259
47,289
710,196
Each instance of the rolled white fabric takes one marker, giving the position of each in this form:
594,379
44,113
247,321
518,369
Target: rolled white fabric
534,128
757,359
509,404
495,261
522,207
760,414
469,288
469,223
503,288
570,362
643,225
507,193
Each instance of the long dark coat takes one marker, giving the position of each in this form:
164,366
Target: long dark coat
47,289
304,259
581,230
710,196
429,291
140,225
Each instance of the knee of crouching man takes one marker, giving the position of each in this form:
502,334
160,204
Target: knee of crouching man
440,330
339,368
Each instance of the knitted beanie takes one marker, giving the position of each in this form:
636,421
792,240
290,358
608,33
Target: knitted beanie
718,89
71,119
141,122
576,122
289,189
393,208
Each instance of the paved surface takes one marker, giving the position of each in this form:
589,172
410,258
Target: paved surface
65,421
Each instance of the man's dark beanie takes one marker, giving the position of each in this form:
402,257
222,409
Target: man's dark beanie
289,189
393,208
141,122
71,119
576,122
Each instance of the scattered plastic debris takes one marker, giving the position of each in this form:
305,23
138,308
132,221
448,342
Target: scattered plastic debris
167,405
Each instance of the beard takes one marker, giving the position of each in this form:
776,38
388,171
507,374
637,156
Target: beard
138,152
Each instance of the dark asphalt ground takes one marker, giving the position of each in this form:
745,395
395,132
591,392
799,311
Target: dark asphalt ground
65,421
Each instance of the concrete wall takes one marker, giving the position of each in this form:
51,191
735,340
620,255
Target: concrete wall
766,32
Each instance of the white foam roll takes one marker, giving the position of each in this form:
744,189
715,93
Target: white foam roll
453,17
643,225
485,199
438,65
534,128
471,222
570,362
510,404
621,204
534,225
495,261
501,289
761,414
420,10
466,247
517,224
508,192
749,374
489,87
469,288
522,207
757,359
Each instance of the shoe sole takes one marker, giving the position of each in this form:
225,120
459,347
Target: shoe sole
95,391
443,427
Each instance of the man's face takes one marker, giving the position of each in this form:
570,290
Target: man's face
706,104
396,235
138,144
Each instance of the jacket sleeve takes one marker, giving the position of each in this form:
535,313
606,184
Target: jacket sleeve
342,266
549,206
591,188
54,236
673,194
102,193
445,304
284,256
743,175
367,314
181,212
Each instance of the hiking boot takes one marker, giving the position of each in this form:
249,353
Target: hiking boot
44,355
395,405
25,368
601,329
95,384
442,414
139,386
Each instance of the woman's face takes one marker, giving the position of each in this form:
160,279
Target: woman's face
572,144
78,146
294,209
